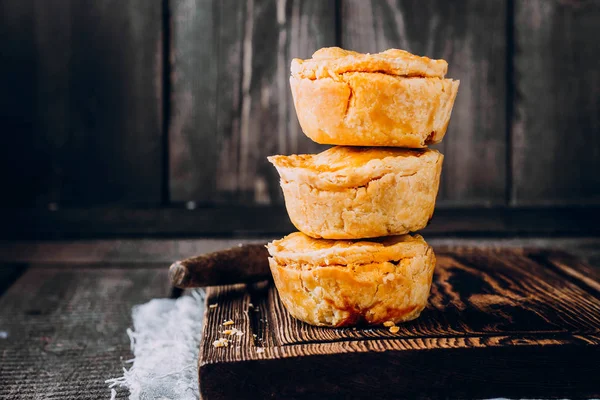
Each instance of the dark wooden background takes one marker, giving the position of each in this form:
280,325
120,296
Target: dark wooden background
120,117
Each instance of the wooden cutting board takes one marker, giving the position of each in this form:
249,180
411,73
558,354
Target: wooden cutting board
500,323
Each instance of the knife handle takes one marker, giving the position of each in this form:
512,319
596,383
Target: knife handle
240,264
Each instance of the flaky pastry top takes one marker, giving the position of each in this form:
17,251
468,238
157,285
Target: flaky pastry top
349,166
330,62
298,248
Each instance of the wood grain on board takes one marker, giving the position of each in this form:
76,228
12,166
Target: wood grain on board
556,120
500,323
83,103
471,36
66,328
231,102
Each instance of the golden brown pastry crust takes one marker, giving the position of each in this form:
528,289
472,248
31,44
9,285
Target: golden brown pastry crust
388,99
342,283
334,61
360,192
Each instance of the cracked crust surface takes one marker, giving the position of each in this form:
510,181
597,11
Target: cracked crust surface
392,98
344,283
356,192
334,61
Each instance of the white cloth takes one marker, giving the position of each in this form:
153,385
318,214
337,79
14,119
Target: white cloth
165,342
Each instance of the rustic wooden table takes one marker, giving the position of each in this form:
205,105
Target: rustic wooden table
65,305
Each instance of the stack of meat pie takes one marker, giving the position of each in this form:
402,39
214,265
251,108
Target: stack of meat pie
356,204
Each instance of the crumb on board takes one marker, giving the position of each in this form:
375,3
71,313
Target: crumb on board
387,324
227,323
250,305
233,331
222,342
213,306
394,329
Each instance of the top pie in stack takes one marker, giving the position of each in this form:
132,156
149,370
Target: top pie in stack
393,98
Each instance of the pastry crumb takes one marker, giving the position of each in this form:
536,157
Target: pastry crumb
388,324
222,342
233,331
227,323
250,305
213,306
394,329
260,349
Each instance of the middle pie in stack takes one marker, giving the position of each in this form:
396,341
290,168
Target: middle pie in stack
360,192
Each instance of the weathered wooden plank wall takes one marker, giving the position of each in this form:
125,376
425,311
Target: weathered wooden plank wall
556,121
17,98
471,36
82,107
231,100
85,93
